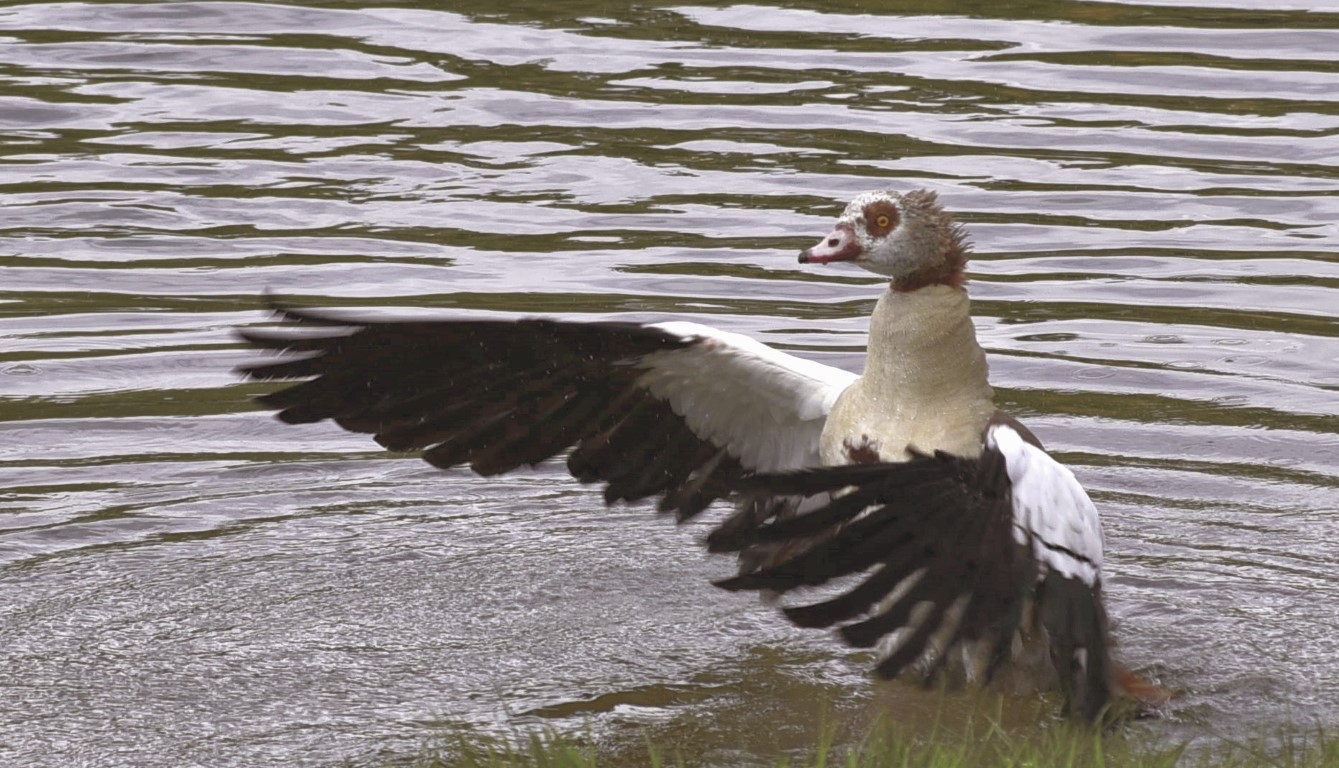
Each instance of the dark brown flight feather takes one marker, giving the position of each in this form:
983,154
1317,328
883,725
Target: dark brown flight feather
947,522
497,395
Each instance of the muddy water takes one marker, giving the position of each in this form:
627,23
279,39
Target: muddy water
1153,191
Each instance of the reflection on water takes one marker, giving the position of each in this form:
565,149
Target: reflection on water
1150,186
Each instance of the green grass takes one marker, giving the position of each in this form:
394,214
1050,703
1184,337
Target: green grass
978,742
767,716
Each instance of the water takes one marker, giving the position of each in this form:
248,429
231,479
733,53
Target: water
1152,190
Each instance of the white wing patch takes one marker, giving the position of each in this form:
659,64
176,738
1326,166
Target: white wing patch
1051,509
765,407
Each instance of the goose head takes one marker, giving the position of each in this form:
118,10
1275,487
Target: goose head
907,237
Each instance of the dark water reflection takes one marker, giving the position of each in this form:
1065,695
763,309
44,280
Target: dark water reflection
1151,187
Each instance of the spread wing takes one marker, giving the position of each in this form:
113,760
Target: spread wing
670,409
952,556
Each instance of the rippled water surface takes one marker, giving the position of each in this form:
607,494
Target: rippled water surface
1153,190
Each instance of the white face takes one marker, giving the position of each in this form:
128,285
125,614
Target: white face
872,232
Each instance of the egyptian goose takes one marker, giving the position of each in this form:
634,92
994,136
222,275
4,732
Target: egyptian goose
968,535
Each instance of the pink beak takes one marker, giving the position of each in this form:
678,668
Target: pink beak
839,245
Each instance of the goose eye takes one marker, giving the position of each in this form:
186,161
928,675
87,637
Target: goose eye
880,218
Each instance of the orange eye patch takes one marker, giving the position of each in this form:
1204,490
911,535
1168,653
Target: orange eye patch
881,218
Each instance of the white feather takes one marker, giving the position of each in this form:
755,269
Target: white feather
1051,509
765,407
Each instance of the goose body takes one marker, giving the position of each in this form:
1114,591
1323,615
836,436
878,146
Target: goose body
962,533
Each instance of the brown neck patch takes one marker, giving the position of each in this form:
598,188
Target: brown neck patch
927,277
